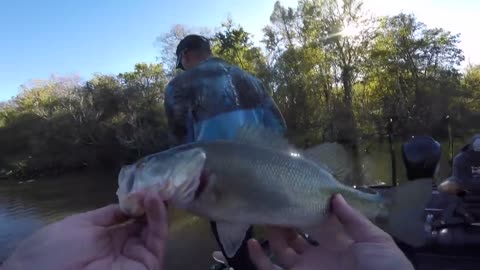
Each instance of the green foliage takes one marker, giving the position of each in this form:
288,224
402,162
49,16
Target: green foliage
234,45
104,122
412,73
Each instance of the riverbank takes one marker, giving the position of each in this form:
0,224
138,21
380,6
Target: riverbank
374,158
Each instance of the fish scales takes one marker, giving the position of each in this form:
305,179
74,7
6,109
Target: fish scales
261,185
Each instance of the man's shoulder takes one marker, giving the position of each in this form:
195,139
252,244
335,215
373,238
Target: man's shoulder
212,66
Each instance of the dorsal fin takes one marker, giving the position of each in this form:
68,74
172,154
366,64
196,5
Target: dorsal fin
333,156
265,137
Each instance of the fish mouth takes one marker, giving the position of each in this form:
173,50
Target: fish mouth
129,203
179,183
186,181
128,199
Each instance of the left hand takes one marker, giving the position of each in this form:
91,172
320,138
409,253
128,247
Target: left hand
349,241
88,241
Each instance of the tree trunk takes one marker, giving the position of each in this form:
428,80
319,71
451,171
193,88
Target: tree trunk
348,130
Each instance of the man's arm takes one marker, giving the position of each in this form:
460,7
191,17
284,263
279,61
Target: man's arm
175,113
252,93
272,118
460,168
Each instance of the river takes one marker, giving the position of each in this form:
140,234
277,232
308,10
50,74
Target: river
27,206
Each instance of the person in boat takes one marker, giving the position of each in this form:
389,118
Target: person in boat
210,100
101,239
466,165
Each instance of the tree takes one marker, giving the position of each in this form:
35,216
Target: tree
300,72
233,44
167,44
414,70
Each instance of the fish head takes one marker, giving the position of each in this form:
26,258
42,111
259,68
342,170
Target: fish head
173,175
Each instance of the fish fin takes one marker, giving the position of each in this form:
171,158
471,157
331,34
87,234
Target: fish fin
263,136
218,257
333,157
406,211
231,236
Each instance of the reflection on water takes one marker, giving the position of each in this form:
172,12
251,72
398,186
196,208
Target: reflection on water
25,207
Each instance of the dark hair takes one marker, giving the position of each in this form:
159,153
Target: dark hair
192,43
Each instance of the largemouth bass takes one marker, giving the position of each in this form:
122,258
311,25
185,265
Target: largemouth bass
259,179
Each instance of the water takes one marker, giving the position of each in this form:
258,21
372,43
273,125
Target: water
27,206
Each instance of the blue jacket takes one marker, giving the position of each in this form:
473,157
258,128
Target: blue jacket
214,99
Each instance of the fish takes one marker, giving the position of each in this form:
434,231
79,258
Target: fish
259,178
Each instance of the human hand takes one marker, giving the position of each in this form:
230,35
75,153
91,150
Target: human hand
347,240
97,240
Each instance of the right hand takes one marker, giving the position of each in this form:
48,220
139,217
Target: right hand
347,240
97,240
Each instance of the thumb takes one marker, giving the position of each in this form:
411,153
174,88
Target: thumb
106,216
356,225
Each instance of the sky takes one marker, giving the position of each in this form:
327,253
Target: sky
44,37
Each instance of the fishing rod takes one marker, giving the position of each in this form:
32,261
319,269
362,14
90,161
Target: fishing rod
392,151
450,141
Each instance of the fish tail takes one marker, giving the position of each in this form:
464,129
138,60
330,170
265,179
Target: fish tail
406,211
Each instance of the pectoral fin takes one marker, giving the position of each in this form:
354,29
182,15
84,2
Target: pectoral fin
231,236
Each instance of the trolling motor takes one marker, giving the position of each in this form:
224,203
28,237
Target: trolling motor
421,156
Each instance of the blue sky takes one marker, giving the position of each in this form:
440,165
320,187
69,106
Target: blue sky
44,37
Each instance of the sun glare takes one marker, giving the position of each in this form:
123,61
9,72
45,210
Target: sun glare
350,30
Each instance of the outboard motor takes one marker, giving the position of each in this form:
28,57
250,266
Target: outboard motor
421,155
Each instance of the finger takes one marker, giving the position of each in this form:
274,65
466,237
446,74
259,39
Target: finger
258,256
105,216
157,228
135,250
127,229
330,233
356,225
294,240
120,235
278,238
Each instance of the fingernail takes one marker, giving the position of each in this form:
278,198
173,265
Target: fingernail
337,199
340,198
252,244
